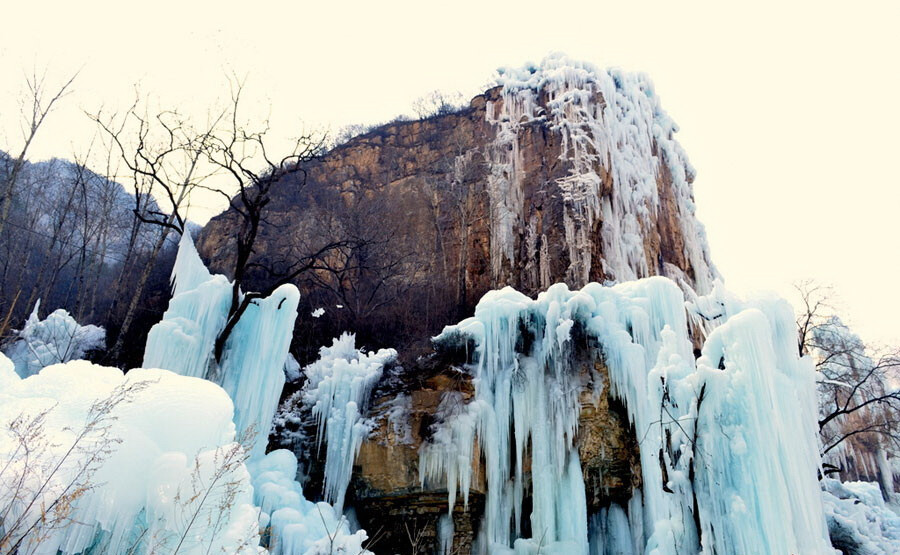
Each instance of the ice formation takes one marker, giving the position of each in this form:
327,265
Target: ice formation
185,338
155,484
610,122
252,371
859,520
57,338
337,389
733,433
295,525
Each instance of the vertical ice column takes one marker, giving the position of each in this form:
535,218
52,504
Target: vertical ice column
183,341
337,389
251,369
642,329
525,408
757,455
253,361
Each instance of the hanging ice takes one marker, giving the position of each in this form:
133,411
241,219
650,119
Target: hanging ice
337,389
756,453
733,434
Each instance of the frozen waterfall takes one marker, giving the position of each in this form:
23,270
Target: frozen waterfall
731,436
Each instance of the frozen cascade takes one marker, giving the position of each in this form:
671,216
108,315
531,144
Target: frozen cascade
733,433
251,369
252,372
610,124
756,450
337,388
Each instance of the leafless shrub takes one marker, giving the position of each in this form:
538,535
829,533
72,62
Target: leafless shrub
40,483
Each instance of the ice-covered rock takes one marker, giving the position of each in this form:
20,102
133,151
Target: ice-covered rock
55,339
859,521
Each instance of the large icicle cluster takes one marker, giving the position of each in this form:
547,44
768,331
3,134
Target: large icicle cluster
251,369
112,467
337,388
732,434
609,122
55,339
252,372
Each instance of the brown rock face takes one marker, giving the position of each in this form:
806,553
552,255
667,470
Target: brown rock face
386,489
442,210
607,446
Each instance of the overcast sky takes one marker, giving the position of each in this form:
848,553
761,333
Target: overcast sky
789,111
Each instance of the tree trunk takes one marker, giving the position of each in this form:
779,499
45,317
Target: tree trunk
115,352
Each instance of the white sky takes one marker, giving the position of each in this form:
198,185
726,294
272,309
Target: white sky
788,111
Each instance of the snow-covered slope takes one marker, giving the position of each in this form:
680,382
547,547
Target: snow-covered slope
94,461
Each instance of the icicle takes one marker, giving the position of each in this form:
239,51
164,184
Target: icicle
337,388
445,534
706,433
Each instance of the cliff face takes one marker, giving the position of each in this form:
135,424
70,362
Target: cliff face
559,173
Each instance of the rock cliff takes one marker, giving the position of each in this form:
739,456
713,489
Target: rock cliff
559,173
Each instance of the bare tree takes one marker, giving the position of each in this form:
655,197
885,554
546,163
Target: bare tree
437,103
371,267
858,404
165,156
244,156
34,111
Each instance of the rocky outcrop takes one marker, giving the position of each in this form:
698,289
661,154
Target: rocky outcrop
573,176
